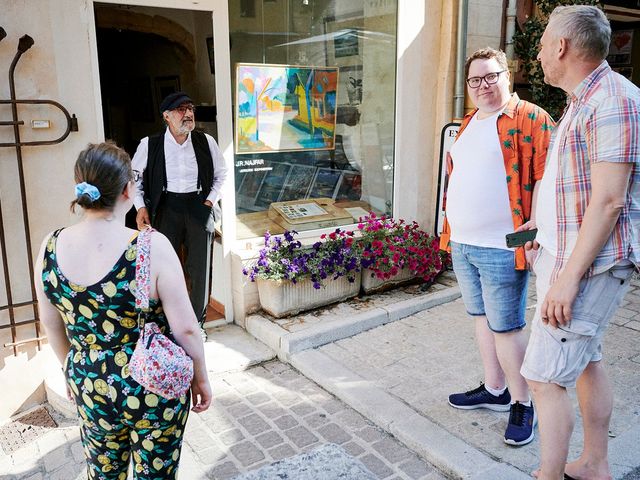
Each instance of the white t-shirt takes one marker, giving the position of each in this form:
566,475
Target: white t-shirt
477,198
546,214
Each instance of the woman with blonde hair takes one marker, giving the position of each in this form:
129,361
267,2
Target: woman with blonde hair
85,283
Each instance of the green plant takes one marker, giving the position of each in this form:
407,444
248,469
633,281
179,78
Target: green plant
526,44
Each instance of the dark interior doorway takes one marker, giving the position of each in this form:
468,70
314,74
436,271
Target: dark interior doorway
129,104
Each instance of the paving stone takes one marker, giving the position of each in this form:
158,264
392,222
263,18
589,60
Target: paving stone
261,372
209,455
254,424
287,398
334,434
333,406
281,451
300,436
224,471
285,422
35,476
634,325
415,468
258,398
272,410
219,424
51,440
353,449
376,466
55,459
197,437
231,436
302,409
246,388
352,419
276,367
67,472
269,439
316,420
228,399
239,410
246,453
392,450
370,434
26,457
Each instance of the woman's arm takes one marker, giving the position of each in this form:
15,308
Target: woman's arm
49,315
170,287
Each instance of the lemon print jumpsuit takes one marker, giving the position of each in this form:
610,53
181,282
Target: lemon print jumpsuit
118,417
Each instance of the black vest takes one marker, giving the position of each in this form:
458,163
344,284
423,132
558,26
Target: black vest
154,178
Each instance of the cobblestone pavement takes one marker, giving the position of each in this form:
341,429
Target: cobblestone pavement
261,415
423,358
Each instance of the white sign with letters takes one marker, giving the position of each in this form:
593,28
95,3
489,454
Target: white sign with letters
447,137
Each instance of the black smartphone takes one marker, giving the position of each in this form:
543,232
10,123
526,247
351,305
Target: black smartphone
518,239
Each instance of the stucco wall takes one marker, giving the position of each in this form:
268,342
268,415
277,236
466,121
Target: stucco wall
484,25
426,67
57,67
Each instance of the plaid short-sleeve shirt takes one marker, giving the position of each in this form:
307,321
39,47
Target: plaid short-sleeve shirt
604,127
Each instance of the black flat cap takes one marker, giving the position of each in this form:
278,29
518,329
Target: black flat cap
174,100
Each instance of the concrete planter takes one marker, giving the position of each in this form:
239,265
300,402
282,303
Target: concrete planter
282,298
372,284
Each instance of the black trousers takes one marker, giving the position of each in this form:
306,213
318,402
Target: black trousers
182,218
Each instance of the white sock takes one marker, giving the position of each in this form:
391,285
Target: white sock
496,392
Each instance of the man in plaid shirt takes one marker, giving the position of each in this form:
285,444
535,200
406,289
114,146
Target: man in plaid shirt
588,220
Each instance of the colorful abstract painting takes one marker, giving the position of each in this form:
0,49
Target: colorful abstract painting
285,108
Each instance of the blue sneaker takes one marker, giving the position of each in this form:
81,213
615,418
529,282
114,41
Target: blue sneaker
481,398
522,421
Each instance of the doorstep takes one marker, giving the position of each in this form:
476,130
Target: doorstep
287,336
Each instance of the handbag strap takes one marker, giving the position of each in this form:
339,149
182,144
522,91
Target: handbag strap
143,270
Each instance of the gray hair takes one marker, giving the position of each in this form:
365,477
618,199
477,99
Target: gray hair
585,26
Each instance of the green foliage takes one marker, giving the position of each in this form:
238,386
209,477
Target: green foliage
526,45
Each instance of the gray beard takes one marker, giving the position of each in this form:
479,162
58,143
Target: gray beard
186,129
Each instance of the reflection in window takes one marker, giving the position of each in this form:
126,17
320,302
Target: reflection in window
344,120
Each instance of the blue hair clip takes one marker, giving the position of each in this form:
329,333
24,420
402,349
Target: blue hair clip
84,187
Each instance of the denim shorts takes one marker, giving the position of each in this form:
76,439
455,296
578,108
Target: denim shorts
560,355
491,285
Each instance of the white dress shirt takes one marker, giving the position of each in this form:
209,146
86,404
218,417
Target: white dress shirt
181,167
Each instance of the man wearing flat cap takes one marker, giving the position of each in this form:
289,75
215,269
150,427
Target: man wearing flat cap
180,176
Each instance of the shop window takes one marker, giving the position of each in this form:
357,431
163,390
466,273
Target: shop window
314,112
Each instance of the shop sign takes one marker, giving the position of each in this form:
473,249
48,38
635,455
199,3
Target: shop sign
447,136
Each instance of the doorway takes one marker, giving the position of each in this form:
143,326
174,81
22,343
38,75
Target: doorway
145,53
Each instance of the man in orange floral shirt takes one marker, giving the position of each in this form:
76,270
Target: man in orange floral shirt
495,164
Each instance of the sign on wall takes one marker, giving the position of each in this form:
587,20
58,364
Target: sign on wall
447,137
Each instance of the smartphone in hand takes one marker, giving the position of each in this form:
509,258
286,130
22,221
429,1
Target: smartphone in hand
518,239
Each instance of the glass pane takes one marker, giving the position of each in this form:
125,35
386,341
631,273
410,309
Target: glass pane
314,118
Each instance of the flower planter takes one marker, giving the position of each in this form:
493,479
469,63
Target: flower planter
372,284
282,298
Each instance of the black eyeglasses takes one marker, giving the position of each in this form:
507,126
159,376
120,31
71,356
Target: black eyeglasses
182,109
489,78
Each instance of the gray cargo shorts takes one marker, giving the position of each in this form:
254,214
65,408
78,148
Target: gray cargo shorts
560,355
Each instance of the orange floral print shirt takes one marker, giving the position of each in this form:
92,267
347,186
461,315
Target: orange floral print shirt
524,130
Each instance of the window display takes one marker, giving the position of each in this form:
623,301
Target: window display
314,110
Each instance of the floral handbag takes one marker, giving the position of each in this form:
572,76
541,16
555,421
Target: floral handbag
157,363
